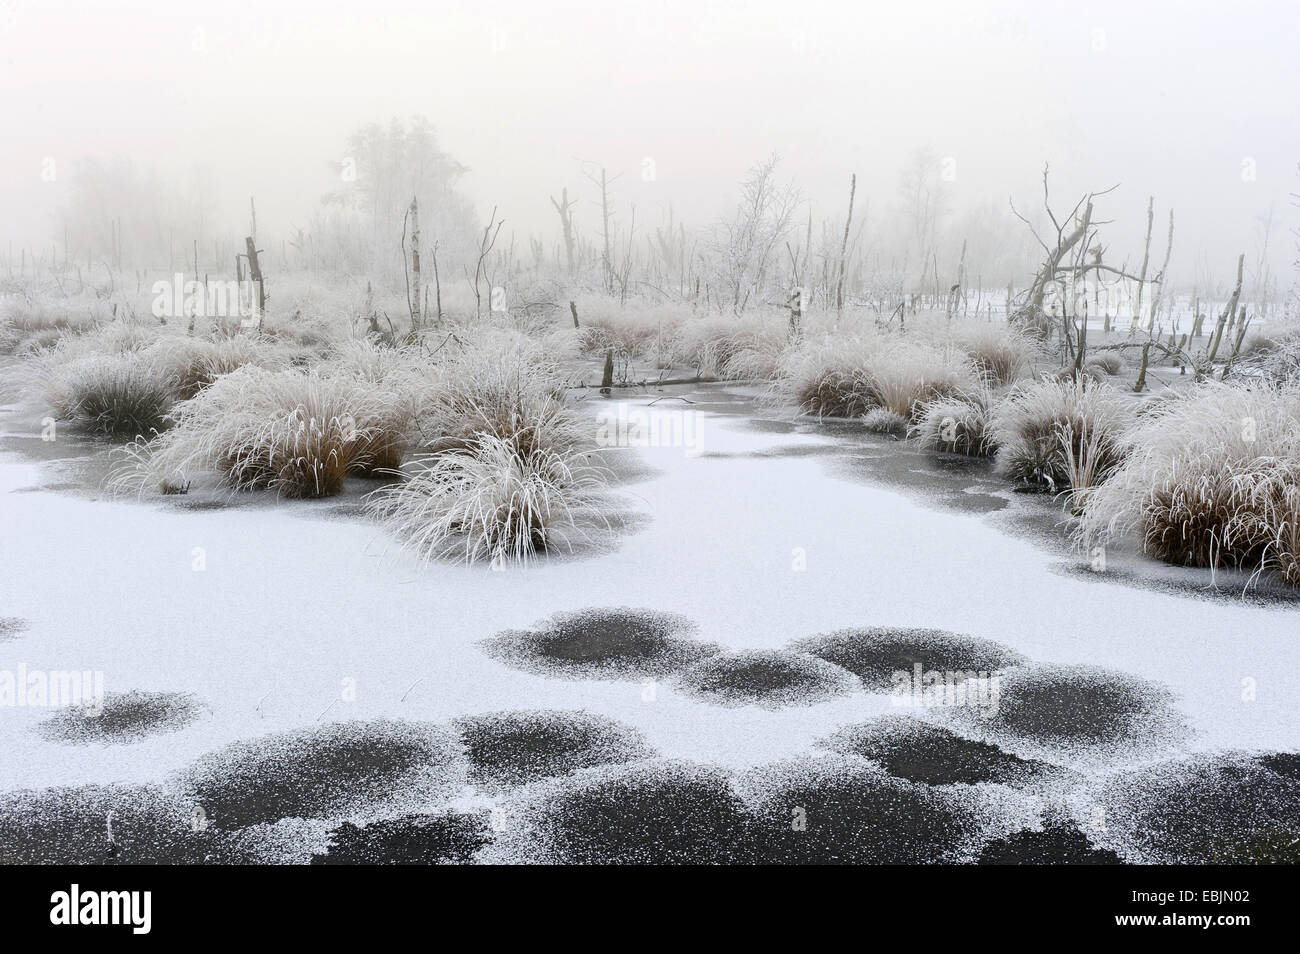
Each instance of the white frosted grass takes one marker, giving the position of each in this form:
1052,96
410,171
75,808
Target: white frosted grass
293,432
848,375
490,502
959,423
1029,422
1210,480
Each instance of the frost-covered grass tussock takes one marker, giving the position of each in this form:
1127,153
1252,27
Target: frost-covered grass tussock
1061,435
506,471
488,500
297,433
847,376
120,395
1211,481
999,353
959,424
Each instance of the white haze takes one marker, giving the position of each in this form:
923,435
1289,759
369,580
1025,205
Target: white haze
256,99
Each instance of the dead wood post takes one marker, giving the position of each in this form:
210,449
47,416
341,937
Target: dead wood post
1164,271
607,375
844,247
255,275
416,301
1142,371
564,207
1228,312
1146,257
795,304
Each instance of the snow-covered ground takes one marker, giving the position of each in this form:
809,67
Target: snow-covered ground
278,615
293,599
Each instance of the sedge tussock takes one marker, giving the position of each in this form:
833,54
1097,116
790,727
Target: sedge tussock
1051,433
488,501
299,434
1211,481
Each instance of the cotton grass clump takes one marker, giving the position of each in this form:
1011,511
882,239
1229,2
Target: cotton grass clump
907,373
505,471
398,380
635,331
728,347
1105,362
32,322
881,420
299,434
1212,481
1001,355
488,500
503,396
1061,435
121,395
831,378
959,424
191,363
851,375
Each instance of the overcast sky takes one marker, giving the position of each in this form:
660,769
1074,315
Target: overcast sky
1180,99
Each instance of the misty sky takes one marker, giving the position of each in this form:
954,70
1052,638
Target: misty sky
1174,99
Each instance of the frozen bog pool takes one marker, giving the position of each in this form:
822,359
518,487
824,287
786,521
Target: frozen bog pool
264,616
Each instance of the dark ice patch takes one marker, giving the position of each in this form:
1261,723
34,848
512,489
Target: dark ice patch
339,769
1062,844
506,749
918,751
875,654
653,812
1084,706
845,810
446,838
119,825
773,679
602,643
126,717
1225,809
949,481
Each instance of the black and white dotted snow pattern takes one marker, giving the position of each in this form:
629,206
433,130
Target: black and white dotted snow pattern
134,825
960,784
918,751
1055,844
1229,808
651,812
336,770
771,678
1084,710
877,654
603,643
508,749
442,838
10,627
846,810
125,717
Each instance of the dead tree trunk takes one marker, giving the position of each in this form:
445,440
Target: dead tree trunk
1228,312
416,301
1146,257
795,304
564,207
844,247
255,276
